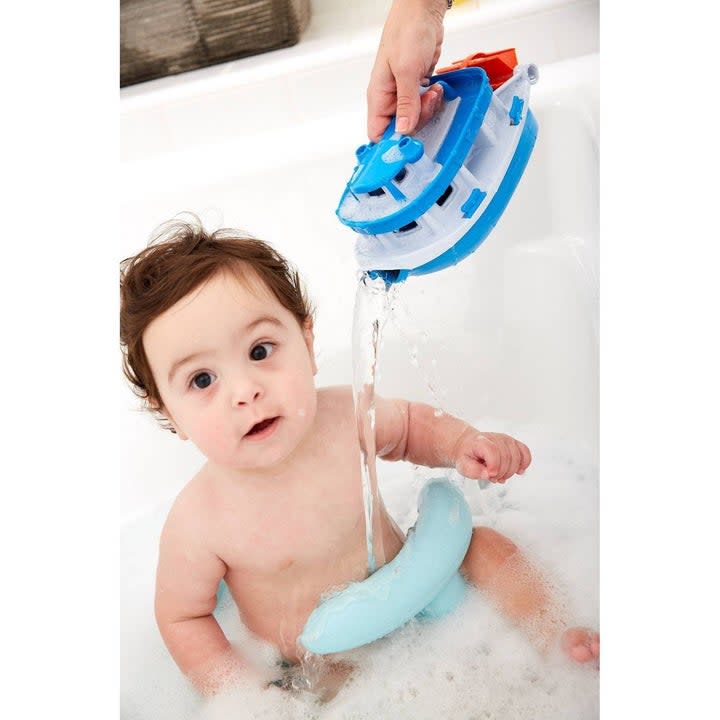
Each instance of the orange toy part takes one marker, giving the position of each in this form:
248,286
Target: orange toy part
498,65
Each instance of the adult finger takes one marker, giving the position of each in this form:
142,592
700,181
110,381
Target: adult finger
408,101
376,124
430,103
380,102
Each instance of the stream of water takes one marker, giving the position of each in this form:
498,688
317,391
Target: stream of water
373,302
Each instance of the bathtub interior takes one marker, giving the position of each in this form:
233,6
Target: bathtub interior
507,339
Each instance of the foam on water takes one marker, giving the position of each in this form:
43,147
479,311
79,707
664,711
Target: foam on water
473,664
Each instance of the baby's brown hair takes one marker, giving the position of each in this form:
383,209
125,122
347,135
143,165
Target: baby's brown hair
180,256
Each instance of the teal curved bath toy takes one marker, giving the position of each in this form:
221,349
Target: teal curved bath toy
422,580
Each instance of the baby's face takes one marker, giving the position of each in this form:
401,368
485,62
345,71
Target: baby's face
235,373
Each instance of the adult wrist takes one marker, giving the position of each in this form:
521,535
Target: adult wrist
438,6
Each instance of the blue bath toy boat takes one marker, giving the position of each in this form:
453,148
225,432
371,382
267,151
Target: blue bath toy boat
424,202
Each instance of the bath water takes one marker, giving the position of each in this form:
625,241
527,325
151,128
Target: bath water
471,665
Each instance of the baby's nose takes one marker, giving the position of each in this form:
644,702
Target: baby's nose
246,399
246,391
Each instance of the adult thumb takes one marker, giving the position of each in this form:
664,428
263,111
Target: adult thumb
408,104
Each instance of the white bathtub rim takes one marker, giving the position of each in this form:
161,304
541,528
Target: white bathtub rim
315,53
170,169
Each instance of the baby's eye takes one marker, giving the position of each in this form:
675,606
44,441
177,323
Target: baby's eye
262,351
202,380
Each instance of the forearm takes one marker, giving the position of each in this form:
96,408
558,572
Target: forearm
201,651
429,438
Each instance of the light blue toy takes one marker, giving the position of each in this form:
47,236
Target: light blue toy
422,580
424,202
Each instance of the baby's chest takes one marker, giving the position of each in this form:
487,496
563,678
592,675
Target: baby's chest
322,523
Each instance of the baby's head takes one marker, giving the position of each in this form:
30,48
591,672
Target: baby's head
217,336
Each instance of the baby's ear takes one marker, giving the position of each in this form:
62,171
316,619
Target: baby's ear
174,428
309,335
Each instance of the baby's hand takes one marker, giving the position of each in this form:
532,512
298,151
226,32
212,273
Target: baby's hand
491,456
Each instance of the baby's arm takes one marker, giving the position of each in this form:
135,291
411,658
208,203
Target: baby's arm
188,574
418,433
493,563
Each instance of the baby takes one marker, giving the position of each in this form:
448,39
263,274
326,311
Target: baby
217,335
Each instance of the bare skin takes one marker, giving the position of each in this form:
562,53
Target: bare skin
277,510
409,49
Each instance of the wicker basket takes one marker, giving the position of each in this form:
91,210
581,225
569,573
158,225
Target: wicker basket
165,37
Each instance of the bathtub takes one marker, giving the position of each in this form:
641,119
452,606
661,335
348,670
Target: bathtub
508,339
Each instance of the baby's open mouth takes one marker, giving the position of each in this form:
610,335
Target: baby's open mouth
259,427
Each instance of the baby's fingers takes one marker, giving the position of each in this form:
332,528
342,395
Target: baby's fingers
469,467
526,457
504,455
511,459
490,454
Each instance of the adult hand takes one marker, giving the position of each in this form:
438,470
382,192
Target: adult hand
409,50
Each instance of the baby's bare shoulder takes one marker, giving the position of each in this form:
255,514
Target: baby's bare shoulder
189,514
336,397
336,404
